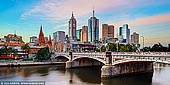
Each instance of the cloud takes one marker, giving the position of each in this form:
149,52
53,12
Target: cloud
142,21
61,9
61,26
151,20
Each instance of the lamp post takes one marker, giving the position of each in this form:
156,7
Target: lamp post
143,42
117,46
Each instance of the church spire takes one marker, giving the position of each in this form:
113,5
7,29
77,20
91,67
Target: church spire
41,40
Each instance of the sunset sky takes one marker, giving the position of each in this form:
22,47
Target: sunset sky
149,18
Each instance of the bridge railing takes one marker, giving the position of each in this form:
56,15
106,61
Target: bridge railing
102,54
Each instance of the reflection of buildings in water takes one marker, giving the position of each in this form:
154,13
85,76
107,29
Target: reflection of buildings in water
29,70
25,72
89,75
143,79
158,67
6,72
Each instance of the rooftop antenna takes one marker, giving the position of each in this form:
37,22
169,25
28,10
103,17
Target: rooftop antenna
72,14
93,11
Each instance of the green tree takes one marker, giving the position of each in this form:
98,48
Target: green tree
159,48
103,48
146,49
0,52
15,52
6,50
97,50
111,47
123,48
168,47
26,48
43,54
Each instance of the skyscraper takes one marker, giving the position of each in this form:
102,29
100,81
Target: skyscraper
55,36
107,31
84,34
41,40
59,36
93,29
72,28
78,34
124,34
34,40
135,38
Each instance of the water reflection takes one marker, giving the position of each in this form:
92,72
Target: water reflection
6,72
58,75
144,79
88,75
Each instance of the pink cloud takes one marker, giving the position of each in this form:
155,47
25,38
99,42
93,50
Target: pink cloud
61,9
151,20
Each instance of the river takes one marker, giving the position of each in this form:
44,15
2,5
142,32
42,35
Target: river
57,75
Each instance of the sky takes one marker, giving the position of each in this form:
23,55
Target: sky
149,18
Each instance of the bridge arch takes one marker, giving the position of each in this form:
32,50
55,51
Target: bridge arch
130,60
101,60
61,58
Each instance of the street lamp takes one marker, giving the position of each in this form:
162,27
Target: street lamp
143,42
118,46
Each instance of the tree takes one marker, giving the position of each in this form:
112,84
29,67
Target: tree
168,47
15,52
97,50
111,47
159,48
0,52
103,48
6,50
26,48
146,49
123,48
43,54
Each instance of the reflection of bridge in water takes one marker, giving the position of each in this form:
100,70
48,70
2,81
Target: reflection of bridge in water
115,63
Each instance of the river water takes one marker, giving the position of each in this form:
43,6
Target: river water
57,75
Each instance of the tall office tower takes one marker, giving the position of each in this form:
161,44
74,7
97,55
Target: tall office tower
72,28
135,38
124,34
61,36
93,29
107,31
41,40
33,39
55,37
78,34
84,34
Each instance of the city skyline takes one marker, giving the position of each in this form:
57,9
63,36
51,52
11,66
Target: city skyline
148,18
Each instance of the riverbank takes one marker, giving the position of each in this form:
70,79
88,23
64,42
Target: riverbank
15,64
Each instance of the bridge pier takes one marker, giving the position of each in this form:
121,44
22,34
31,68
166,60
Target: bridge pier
128,68
70,63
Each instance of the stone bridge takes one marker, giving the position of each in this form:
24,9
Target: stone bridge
115,63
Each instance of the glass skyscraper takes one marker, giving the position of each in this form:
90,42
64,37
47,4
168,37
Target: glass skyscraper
93,29
124,34
78,34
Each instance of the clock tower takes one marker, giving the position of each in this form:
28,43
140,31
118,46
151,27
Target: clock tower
72,28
